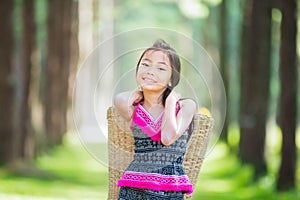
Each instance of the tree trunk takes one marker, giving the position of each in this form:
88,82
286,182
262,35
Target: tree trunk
59,25
24,128
96,29
288,95
255,75
74,56
224,67
7,86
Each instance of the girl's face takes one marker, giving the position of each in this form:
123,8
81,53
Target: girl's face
154,71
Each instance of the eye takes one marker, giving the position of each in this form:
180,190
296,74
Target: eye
145,64
162,69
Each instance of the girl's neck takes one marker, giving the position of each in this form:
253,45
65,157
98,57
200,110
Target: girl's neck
153,104
152,99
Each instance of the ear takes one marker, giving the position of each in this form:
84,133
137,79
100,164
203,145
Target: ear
140,88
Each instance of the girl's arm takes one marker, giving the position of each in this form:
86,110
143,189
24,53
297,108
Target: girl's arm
173,126
123,102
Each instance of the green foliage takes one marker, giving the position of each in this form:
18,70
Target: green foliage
17,19
132,14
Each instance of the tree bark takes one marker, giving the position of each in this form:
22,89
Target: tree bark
74,55
224,67
288,94
255,76
7,84
59,25
24,128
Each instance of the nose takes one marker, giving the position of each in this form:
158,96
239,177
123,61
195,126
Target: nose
150,71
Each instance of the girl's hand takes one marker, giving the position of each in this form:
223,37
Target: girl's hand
136,97
173,97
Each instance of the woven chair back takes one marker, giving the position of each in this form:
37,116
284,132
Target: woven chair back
121,149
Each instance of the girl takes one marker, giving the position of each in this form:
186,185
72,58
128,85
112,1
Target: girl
160,126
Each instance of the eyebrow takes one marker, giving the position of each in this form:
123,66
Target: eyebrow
161,62
146,59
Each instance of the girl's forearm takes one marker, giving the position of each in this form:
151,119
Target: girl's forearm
169,132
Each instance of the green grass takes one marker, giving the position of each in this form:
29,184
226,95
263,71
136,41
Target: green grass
70,172
223,177
67,172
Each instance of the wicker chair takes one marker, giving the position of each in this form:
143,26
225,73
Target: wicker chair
121,147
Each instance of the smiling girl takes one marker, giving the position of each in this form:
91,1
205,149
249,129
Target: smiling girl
161,124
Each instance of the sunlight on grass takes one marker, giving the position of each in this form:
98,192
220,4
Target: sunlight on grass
219,175
223,176
233,135
273,147
70,173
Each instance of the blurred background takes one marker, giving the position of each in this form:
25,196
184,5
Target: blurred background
44,43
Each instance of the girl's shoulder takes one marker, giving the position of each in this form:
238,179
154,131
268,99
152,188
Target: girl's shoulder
123,105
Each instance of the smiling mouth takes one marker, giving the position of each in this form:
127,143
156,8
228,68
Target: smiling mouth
148,80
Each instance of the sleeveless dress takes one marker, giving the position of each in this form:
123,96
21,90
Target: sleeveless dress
156,171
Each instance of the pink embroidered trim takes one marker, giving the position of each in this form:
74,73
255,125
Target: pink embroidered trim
147,125
157,182
151,128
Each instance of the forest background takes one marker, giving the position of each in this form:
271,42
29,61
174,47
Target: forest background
45,43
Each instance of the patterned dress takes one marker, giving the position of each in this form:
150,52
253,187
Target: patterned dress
156,171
